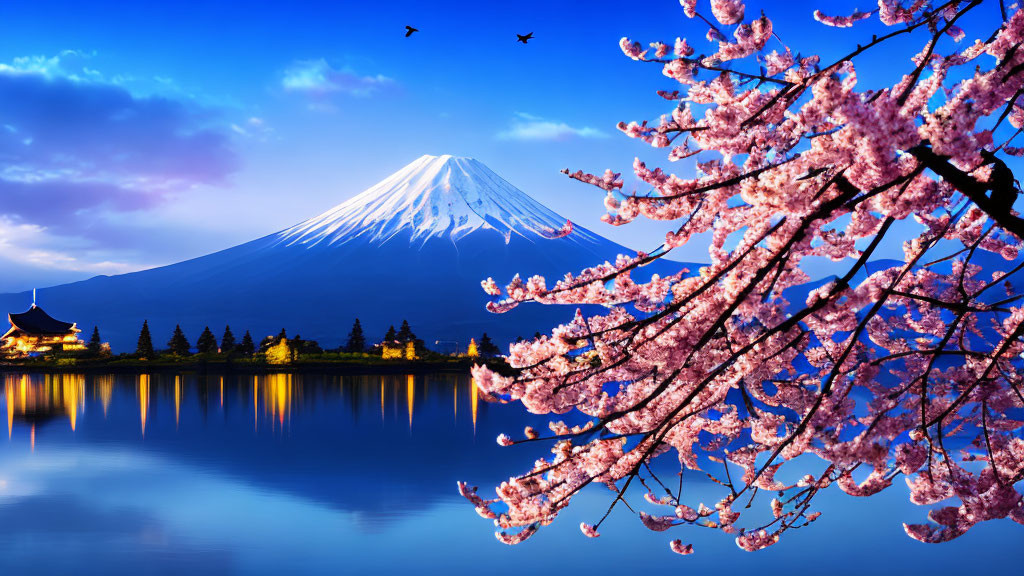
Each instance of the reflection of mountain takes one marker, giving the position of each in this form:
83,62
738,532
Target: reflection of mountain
414,246
385,446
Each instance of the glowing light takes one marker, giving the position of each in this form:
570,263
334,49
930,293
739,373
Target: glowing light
106,389
143,400
10,409
456,402
410,395
222,392
255,403
280,353
389,352
32,441
278,396
382,384
471,351
73,396
474,396
177,401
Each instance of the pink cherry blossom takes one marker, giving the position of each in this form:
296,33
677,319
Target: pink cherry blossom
728,11
747,370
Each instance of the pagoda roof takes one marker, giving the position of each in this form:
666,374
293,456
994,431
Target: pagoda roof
36,321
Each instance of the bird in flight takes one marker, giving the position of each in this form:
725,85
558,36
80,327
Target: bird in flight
524,39
409,30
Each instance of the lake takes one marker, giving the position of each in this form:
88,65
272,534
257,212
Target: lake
290,474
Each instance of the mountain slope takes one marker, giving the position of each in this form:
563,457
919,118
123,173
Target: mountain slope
415,246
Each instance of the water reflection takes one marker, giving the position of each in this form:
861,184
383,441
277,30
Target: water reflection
284,474
39,398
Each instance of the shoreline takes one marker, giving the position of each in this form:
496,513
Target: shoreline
254,368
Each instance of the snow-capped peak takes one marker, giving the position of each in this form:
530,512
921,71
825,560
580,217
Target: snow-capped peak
434,196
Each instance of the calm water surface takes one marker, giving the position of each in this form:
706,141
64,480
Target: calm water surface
303,474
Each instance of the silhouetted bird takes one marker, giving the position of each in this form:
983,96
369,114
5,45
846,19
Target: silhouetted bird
409,30
524,39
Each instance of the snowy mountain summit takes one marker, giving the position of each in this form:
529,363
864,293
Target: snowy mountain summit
414,247
433,197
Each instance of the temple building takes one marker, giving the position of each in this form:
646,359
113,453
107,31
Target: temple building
36,332
396,350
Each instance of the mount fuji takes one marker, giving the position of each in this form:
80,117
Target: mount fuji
415,246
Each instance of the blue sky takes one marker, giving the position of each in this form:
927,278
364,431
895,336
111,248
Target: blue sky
134,135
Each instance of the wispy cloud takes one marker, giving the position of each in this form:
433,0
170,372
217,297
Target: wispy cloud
78,150
529,127
70,64
318,78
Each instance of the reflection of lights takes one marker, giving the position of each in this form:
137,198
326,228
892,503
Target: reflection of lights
105,384
276,391
277,396
9,389
35,399
73,395
255,403
32,441
474,396
143,400
177,401
410,395
44,397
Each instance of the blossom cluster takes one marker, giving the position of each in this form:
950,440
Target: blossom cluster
905,368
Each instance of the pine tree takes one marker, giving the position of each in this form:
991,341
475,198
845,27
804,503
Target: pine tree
144,349
247,347
207,343
390,335
227,341
356,339
95,343
405,333
178,344
487,347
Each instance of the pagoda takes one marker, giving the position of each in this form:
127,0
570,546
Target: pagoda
35,332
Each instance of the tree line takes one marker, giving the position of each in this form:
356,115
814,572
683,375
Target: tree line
228,345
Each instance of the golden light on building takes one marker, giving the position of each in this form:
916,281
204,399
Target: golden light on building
143,400
280,353
398,351
36,332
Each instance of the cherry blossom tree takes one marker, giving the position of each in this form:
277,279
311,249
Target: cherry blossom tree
773,385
